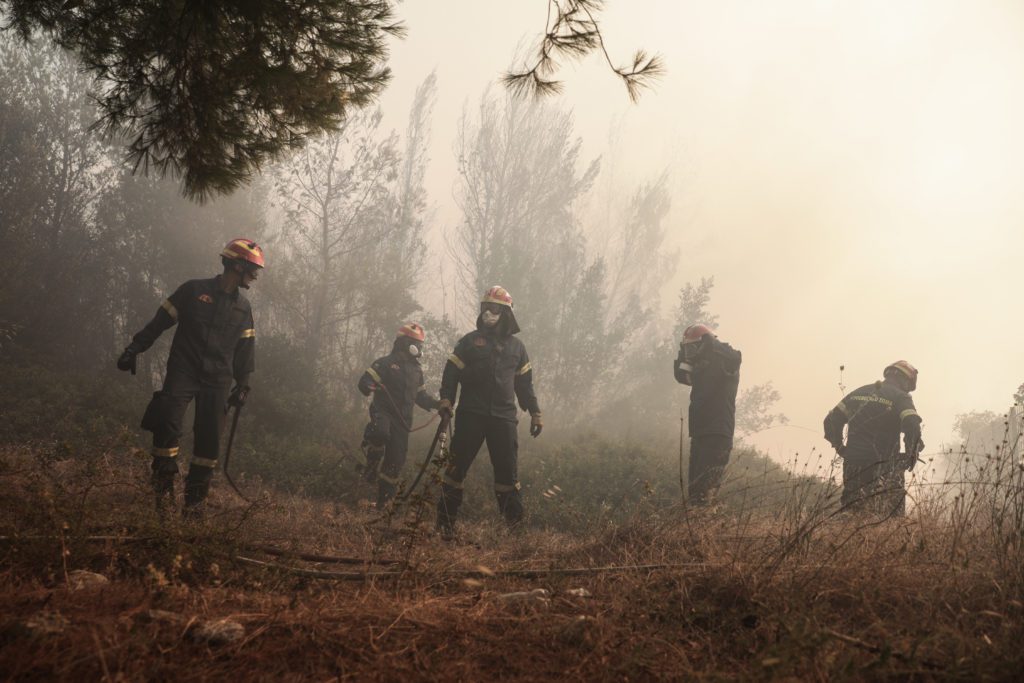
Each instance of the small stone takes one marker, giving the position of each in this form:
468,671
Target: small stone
578,593
217,632
81,579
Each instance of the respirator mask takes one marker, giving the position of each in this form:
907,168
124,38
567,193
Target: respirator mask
490,314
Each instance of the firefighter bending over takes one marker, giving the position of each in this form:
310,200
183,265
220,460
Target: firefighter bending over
215,342
494,371
712,369
873,467
396,381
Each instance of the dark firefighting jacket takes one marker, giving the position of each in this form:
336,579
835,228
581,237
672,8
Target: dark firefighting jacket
876,414
494,371
715,379
215,339
402,376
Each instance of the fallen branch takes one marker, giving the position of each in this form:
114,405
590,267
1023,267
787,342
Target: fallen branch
314,557
473,573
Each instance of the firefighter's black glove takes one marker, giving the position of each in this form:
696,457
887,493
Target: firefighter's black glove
536,424
912,457
238,396
128,360
444,408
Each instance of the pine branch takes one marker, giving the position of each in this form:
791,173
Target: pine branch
574,33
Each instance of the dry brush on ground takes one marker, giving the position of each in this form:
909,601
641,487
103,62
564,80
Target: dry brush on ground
316,591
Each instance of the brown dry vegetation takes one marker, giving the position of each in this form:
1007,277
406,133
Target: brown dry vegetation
749,593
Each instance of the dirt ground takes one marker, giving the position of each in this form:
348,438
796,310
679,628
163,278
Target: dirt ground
290,589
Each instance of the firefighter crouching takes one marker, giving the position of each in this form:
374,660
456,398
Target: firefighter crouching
396,382
712,369
493,369
873,467
214,342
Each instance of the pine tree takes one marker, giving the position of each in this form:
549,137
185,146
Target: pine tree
211,91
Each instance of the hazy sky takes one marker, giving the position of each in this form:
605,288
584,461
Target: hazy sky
848,172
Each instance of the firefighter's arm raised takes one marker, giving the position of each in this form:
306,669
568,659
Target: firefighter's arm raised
729,357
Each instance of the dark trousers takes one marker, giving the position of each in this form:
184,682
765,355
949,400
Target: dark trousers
708,457
165,416
873,483
387,447
471,431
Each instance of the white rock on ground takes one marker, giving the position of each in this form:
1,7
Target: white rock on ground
217,632
81,579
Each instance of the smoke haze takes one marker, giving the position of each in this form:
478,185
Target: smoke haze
846,171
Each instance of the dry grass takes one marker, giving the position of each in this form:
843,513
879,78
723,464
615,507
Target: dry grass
788,593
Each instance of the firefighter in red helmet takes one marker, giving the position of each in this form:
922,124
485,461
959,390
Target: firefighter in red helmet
213,344
396,382
875,415
492,368
711,369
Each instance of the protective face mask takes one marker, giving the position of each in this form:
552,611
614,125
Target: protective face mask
490,319
414,350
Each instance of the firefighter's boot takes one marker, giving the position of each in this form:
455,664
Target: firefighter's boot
197,486
374,455
510,505
387,486
165,470
448,509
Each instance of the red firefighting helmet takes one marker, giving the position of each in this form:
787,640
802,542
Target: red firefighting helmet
904,368
244,250
412,331
497,295
694,333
